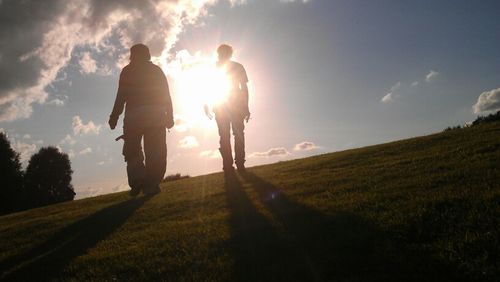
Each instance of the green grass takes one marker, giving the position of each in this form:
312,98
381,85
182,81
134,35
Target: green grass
422,209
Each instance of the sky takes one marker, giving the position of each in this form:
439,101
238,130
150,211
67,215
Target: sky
324,75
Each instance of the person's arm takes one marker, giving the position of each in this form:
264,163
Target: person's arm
119,104
208,111
244,92
169,110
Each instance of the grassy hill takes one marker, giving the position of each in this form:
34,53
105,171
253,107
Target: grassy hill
422,209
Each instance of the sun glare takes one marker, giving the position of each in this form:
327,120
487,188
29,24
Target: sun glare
207,83
197,83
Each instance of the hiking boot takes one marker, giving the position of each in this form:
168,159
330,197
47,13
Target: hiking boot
228,169
241,168
134,191
152,190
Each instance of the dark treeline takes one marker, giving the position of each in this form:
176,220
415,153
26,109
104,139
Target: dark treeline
479,120
46,180
486,119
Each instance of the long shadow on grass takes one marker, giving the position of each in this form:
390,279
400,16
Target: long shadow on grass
342,246
259,253
46,261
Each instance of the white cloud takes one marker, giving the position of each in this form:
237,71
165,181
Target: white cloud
67,140
71,153
389,97
415,83
26,136
305,146
98,189
431,76
181,124
292,1
80,128
241,2
271,152
212,154
88,192
25,150
487,102
56,102
85,151
121,187
87,63
238,2
106,161
188,142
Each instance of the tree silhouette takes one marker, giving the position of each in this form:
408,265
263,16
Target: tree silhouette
48,178
11,177
486,119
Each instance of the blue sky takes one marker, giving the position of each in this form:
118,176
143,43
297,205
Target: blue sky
324,75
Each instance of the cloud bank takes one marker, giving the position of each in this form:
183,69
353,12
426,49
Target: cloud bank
487,102
212,154
81,128
188,142
270,153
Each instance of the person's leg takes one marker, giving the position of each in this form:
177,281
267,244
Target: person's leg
155,149
238,127
132,152
223,123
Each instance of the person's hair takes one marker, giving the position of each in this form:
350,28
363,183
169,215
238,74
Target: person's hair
139,52
225,50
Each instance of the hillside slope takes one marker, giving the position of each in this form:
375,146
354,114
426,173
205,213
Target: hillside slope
423,208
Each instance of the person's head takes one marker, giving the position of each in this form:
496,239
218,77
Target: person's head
140,53
225,52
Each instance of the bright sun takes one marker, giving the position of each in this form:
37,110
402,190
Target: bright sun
198,84
206,83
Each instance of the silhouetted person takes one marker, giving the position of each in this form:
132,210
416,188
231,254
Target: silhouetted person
233,111
143,90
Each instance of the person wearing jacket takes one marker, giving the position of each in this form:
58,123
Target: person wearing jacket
144,94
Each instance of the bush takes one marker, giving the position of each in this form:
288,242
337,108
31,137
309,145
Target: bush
452,128
479,120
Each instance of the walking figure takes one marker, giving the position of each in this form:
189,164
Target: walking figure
143,91
231,113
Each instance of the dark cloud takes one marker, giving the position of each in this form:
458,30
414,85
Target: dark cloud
22,26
